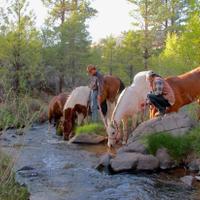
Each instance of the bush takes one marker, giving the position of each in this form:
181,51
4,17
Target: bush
96,128
9,189
19,112
177,146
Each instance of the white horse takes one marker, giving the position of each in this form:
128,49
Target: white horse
129,104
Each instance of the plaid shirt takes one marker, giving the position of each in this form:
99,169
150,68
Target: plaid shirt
161,87
158,86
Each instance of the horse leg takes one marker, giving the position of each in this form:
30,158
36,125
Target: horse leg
125,131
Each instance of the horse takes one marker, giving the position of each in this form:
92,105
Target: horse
112,87
55,109
186,89
76,107
130,102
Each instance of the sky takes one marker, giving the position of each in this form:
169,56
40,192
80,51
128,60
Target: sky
112,18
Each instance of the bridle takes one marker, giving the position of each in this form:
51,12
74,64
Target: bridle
116,127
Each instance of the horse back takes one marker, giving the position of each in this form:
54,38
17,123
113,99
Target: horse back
112,87
186,88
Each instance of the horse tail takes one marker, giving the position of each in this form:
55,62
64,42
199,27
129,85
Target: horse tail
122,86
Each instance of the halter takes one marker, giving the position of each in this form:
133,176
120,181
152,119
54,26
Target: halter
117,128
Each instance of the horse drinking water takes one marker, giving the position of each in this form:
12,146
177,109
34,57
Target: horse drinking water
129,104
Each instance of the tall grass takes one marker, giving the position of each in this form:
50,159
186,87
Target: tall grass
177,146
20,112
9,189
16,112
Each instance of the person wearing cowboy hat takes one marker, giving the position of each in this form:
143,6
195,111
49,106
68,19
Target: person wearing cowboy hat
162,95
96,86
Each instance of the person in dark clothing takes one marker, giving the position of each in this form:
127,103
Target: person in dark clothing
162,95
96,86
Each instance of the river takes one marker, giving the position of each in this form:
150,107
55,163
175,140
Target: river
55,170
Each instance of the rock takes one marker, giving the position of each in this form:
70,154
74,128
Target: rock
188,180
104,162
197,178
133,147
147,162
124,161
174,123
164,158
25,168
87,139
194,165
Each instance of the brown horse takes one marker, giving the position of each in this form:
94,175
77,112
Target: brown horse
186,89
55,109
112,87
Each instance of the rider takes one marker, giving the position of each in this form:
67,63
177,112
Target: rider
162,95
96,86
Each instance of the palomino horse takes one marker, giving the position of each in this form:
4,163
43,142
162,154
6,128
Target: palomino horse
76,107
186,89
55,109
129,104
112,87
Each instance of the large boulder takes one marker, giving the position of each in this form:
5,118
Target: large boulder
88,139
147,162
134,161
174,123
124,161
136,146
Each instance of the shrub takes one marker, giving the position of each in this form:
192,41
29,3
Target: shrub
19,112
178,147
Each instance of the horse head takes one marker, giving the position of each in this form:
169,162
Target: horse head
113,133
68,123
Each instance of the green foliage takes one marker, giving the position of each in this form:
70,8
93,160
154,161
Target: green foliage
67,41
20,47
9,189
96,128
194,139
177,146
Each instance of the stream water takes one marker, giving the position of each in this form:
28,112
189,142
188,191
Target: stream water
55,170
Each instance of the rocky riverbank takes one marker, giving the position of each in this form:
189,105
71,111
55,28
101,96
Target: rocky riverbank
135,156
